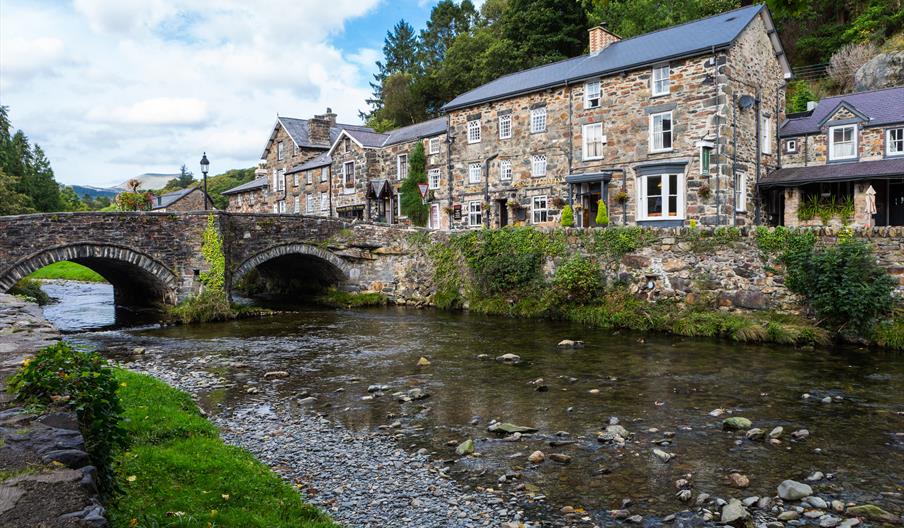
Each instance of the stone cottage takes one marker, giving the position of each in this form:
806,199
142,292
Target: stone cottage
667,127
190,199
842,161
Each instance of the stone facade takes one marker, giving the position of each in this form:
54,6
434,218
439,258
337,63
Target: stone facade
354,166
698,104
193,201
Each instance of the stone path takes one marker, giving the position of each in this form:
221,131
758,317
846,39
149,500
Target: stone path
46,477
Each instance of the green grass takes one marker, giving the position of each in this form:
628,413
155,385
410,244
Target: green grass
890,334
177,472
31,290
66,270
343,299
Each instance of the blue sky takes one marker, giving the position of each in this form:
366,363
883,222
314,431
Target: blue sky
115,88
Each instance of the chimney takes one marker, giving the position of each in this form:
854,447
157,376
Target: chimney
811,105
600,39
319,127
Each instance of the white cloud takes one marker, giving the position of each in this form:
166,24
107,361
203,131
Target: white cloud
113,88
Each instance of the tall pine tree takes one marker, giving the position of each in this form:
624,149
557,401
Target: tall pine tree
399,57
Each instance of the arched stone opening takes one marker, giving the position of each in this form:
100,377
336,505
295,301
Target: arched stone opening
138,279
291,269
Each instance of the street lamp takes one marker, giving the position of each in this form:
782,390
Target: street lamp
205,166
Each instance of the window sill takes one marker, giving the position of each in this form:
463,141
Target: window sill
662,151
595,158
656,96
473,142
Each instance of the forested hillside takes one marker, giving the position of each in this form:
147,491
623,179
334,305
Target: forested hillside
462,47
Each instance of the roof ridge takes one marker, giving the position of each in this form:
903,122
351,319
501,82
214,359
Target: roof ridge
863,92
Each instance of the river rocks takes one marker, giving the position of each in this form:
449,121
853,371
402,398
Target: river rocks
423,362
411,395
734,513
829,521
793,490
614,434
465,448
509,359
684,495
776,432
509,428
816,502
561,458
307,401
634,519
736,423
276,374
873,513
738,480
800,434
790,515
377,388
756,434
536,457
662,455
568,343
838,506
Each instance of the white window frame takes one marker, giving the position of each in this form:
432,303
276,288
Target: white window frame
888,141
475,214
433,179
593,94
538,165
297,204
505,170
766,135
740,193
281,180
309,203
348,177
538,120
295,179
832,143
324,173
587,135
276,208
643,213
474,170
539,215
281,206
430,223
309,178
397,199
280,151
401,161
324,201
474,131
238,199
433,145
653,132
791,146
660,80
505,126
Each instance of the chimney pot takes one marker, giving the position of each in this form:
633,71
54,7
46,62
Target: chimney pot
601,38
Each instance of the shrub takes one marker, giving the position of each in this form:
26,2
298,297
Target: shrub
567,219
579,279
413,205
846,61
205,307
31,290
799,94
602,215
84,382
843,284
616,242
890,334
506,259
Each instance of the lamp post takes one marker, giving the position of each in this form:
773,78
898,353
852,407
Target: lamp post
205,166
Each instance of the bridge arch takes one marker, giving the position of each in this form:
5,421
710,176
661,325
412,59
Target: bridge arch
296,264
137,278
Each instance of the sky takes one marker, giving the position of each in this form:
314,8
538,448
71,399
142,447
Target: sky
112,89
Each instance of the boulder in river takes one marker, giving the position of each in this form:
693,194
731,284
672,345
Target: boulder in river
509,359
536,457
569,343
793,490
465,448
662,455
509,428
275,374
756,434
873,513
734,513
738,480
736,423
800,434
776,432
561,458
423,362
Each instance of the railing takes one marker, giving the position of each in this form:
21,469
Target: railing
811,72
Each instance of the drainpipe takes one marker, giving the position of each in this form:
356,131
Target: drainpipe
486,187
570,130
759,155
734,160
624,179
451,213
718,144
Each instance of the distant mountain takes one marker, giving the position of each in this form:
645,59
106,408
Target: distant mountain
150,180
94,192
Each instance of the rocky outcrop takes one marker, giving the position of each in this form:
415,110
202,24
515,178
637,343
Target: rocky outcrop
882,71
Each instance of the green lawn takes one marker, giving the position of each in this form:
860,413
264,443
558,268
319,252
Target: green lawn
67,271
177,472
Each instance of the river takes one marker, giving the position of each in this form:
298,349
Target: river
670,393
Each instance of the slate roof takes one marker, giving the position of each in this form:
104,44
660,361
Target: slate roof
263,181
165,200
320,161
424,129
298,129
369,139
883,107
692,38
835,172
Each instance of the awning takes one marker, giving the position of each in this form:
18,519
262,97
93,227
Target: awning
589,177
835,172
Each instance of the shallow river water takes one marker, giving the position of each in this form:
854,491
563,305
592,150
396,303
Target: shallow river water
660,388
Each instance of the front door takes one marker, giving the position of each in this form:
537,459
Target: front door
896,203
434,216
503,212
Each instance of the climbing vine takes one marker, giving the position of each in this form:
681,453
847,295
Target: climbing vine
212,251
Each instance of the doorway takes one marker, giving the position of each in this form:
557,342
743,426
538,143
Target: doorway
503,212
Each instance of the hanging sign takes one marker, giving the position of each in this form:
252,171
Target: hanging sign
423,188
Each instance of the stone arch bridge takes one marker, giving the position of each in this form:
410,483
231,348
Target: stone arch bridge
155,258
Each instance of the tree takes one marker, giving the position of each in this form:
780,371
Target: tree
402,103
413,205
399,56
12,202
70,201
447,21
544,31
567,219
799,94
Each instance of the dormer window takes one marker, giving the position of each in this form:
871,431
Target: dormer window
843,142
592,94
660,84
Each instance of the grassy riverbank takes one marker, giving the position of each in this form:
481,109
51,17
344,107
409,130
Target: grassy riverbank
175,471
65,270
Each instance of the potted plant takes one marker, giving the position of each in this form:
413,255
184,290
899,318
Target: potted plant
705,192
621,196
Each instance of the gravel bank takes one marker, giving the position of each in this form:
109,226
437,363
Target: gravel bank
360,479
